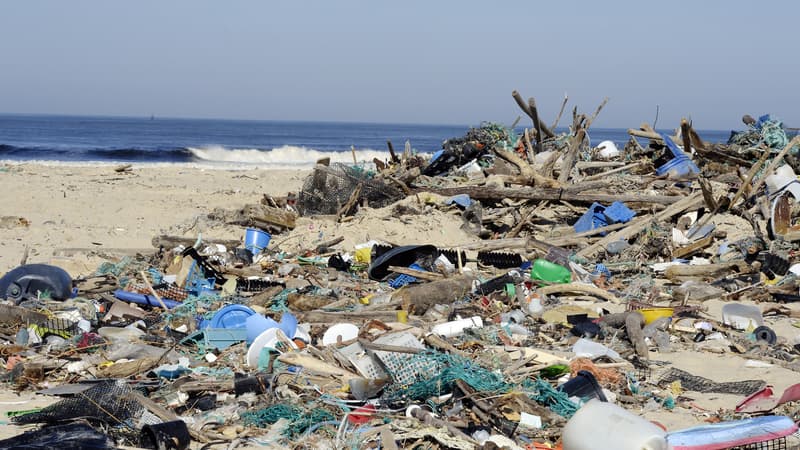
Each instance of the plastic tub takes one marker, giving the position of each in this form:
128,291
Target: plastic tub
652,314
602,425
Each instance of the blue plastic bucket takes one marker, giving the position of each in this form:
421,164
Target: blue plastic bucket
256,240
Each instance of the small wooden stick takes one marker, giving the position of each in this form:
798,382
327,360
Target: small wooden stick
153,291
596,112
537,123
560,112
572,154
527,110
602,175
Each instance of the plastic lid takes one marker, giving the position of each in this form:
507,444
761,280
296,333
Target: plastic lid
231,316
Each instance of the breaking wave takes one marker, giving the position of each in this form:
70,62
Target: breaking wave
287,155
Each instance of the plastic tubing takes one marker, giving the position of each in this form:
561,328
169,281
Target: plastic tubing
142,299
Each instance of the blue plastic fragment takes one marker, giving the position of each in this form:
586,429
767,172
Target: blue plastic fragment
462,200
601,269
618,212
404,279
591,219
680,165
222,338
142,299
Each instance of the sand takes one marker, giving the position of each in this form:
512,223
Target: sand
71,215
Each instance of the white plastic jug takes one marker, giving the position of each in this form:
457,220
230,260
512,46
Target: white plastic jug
602,425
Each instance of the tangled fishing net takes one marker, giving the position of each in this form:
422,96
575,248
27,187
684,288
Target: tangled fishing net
299,419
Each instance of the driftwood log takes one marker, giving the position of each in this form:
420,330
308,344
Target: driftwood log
569,195
527,174
580,288
525,107
417,299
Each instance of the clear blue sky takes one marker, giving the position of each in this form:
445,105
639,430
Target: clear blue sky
408,61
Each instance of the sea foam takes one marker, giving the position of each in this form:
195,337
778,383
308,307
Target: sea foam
284,156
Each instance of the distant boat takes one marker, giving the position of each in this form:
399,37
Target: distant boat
152,117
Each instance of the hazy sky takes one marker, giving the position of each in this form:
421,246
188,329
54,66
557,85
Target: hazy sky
404,61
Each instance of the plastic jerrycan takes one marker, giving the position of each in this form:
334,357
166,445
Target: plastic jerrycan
600,425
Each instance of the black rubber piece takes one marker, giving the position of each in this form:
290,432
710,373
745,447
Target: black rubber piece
765,334
27,281
167,435
500,260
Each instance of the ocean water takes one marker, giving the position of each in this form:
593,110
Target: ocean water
224,143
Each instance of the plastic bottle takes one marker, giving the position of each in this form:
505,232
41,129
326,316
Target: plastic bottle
551,272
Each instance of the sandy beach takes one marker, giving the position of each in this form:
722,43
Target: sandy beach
79,216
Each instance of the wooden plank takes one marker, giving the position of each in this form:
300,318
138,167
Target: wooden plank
693,247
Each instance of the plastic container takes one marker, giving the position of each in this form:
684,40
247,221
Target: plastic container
231,316
256,240
602,425
781,179
680,165
532,305
343,331
652,314
756,432
608,150
257,324
584,386
24,282
546,271
456,327
742,317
